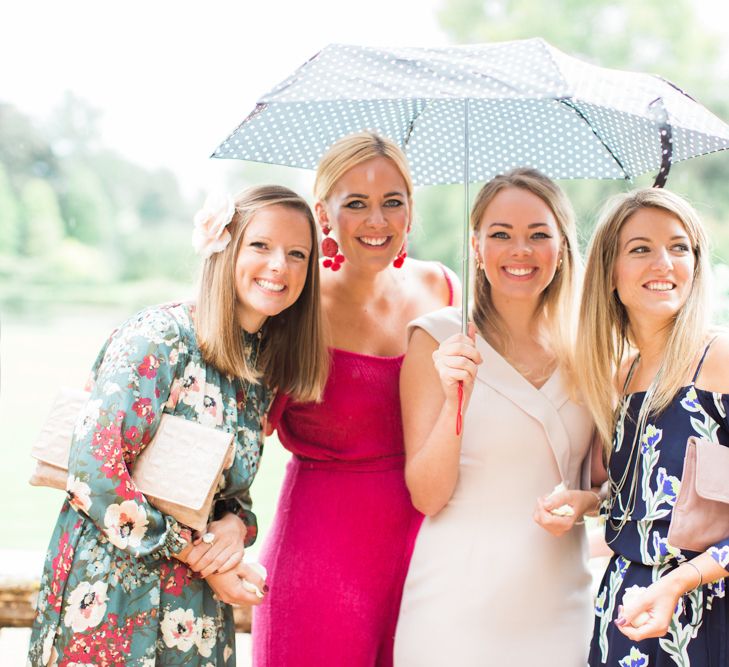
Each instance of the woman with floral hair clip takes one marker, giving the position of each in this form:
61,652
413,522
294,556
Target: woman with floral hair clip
124,583
338,550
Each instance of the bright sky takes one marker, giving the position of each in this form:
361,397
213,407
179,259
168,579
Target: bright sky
174,78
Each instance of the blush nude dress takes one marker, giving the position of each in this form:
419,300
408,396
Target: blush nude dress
486,584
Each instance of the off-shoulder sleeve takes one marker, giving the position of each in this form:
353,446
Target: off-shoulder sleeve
131,384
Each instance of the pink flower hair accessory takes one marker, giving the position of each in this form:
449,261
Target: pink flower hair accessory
210,234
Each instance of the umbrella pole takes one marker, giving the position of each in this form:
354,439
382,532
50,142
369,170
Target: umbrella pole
465,264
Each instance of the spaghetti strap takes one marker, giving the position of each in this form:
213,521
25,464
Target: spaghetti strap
448,282
701,361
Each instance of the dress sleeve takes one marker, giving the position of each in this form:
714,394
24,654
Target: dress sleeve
131,383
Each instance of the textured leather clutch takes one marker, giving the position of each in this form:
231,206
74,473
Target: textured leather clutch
701,514
178,471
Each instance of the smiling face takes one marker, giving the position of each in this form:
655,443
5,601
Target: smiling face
270,270
654,267
369,212
519,244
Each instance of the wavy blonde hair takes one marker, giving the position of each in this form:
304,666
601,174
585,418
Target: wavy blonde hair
293,356
353,150
604,339
558,302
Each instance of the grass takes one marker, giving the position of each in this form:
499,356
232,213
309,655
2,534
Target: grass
37,356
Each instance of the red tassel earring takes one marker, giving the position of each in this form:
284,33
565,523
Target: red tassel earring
330,250
400,258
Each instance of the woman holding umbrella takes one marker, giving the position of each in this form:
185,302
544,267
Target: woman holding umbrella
645,346
339,547
487,585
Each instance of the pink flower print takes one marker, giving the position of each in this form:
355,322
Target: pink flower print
148,367
143,408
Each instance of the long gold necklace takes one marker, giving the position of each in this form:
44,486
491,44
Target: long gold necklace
630,472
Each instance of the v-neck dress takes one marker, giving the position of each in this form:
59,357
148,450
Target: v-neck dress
487,585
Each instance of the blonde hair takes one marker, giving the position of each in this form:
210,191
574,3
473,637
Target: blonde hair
558,302
605,337
353,150
292,357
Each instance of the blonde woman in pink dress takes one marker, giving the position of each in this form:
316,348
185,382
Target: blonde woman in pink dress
495,577
338,551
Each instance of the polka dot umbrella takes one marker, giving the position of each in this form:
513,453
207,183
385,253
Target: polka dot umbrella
466,113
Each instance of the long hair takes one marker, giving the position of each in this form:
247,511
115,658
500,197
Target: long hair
292,357
557,304
604,338
353,150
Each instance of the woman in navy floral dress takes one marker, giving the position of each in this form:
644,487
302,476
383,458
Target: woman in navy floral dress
644,305
125,584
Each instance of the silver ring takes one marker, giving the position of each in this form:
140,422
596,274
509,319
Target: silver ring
208,538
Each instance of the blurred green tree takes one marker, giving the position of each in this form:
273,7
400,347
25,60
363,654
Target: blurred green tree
11,229
43,222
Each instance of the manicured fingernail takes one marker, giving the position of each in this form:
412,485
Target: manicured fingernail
620,621
266,588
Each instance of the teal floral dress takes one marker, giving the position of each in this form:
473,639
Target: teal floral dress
111,594
698,635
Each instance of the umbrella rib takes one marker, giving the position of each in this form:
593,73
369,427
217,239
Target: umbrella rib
582,116
411,125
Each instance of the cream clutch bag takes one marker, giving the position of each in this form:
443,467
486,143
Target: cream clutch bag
700,516
178,471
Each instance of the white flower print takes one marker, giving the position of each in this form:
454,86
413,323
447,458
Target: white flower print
720,555
180,629
634,659
111,388
227,652
126,524
87,418
208,632
193,385
86,606
48,645
211,410
79,494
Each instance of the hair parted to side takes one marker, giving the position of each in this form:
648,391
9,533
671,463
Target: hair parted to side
558,302
353,150
604,340
292,357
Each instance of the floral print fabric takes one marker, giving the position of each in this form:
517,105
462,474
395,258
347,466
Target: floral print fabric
697,635
111,592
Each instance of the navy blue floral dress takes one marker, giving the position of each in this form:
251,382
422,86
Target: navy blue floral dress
699,631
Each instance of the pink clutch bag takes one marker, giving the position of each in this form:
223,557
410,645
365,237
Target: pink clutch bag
178,471
701,514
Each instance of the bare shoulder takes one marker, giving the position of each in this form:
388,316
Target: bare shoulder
421,341
417,364
713,375
431,277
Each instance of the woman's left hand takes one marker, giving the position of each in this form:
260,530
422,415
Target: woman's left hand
224,552
649,613
555,524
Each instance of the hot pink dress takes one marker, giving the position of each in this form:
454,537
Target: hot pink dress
344,530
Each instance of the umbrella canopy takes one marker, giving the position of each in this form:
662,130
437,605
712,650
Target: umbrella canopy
524,103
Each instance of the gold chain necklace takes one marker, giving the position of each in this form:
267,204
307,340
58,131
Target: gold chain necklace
615,488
